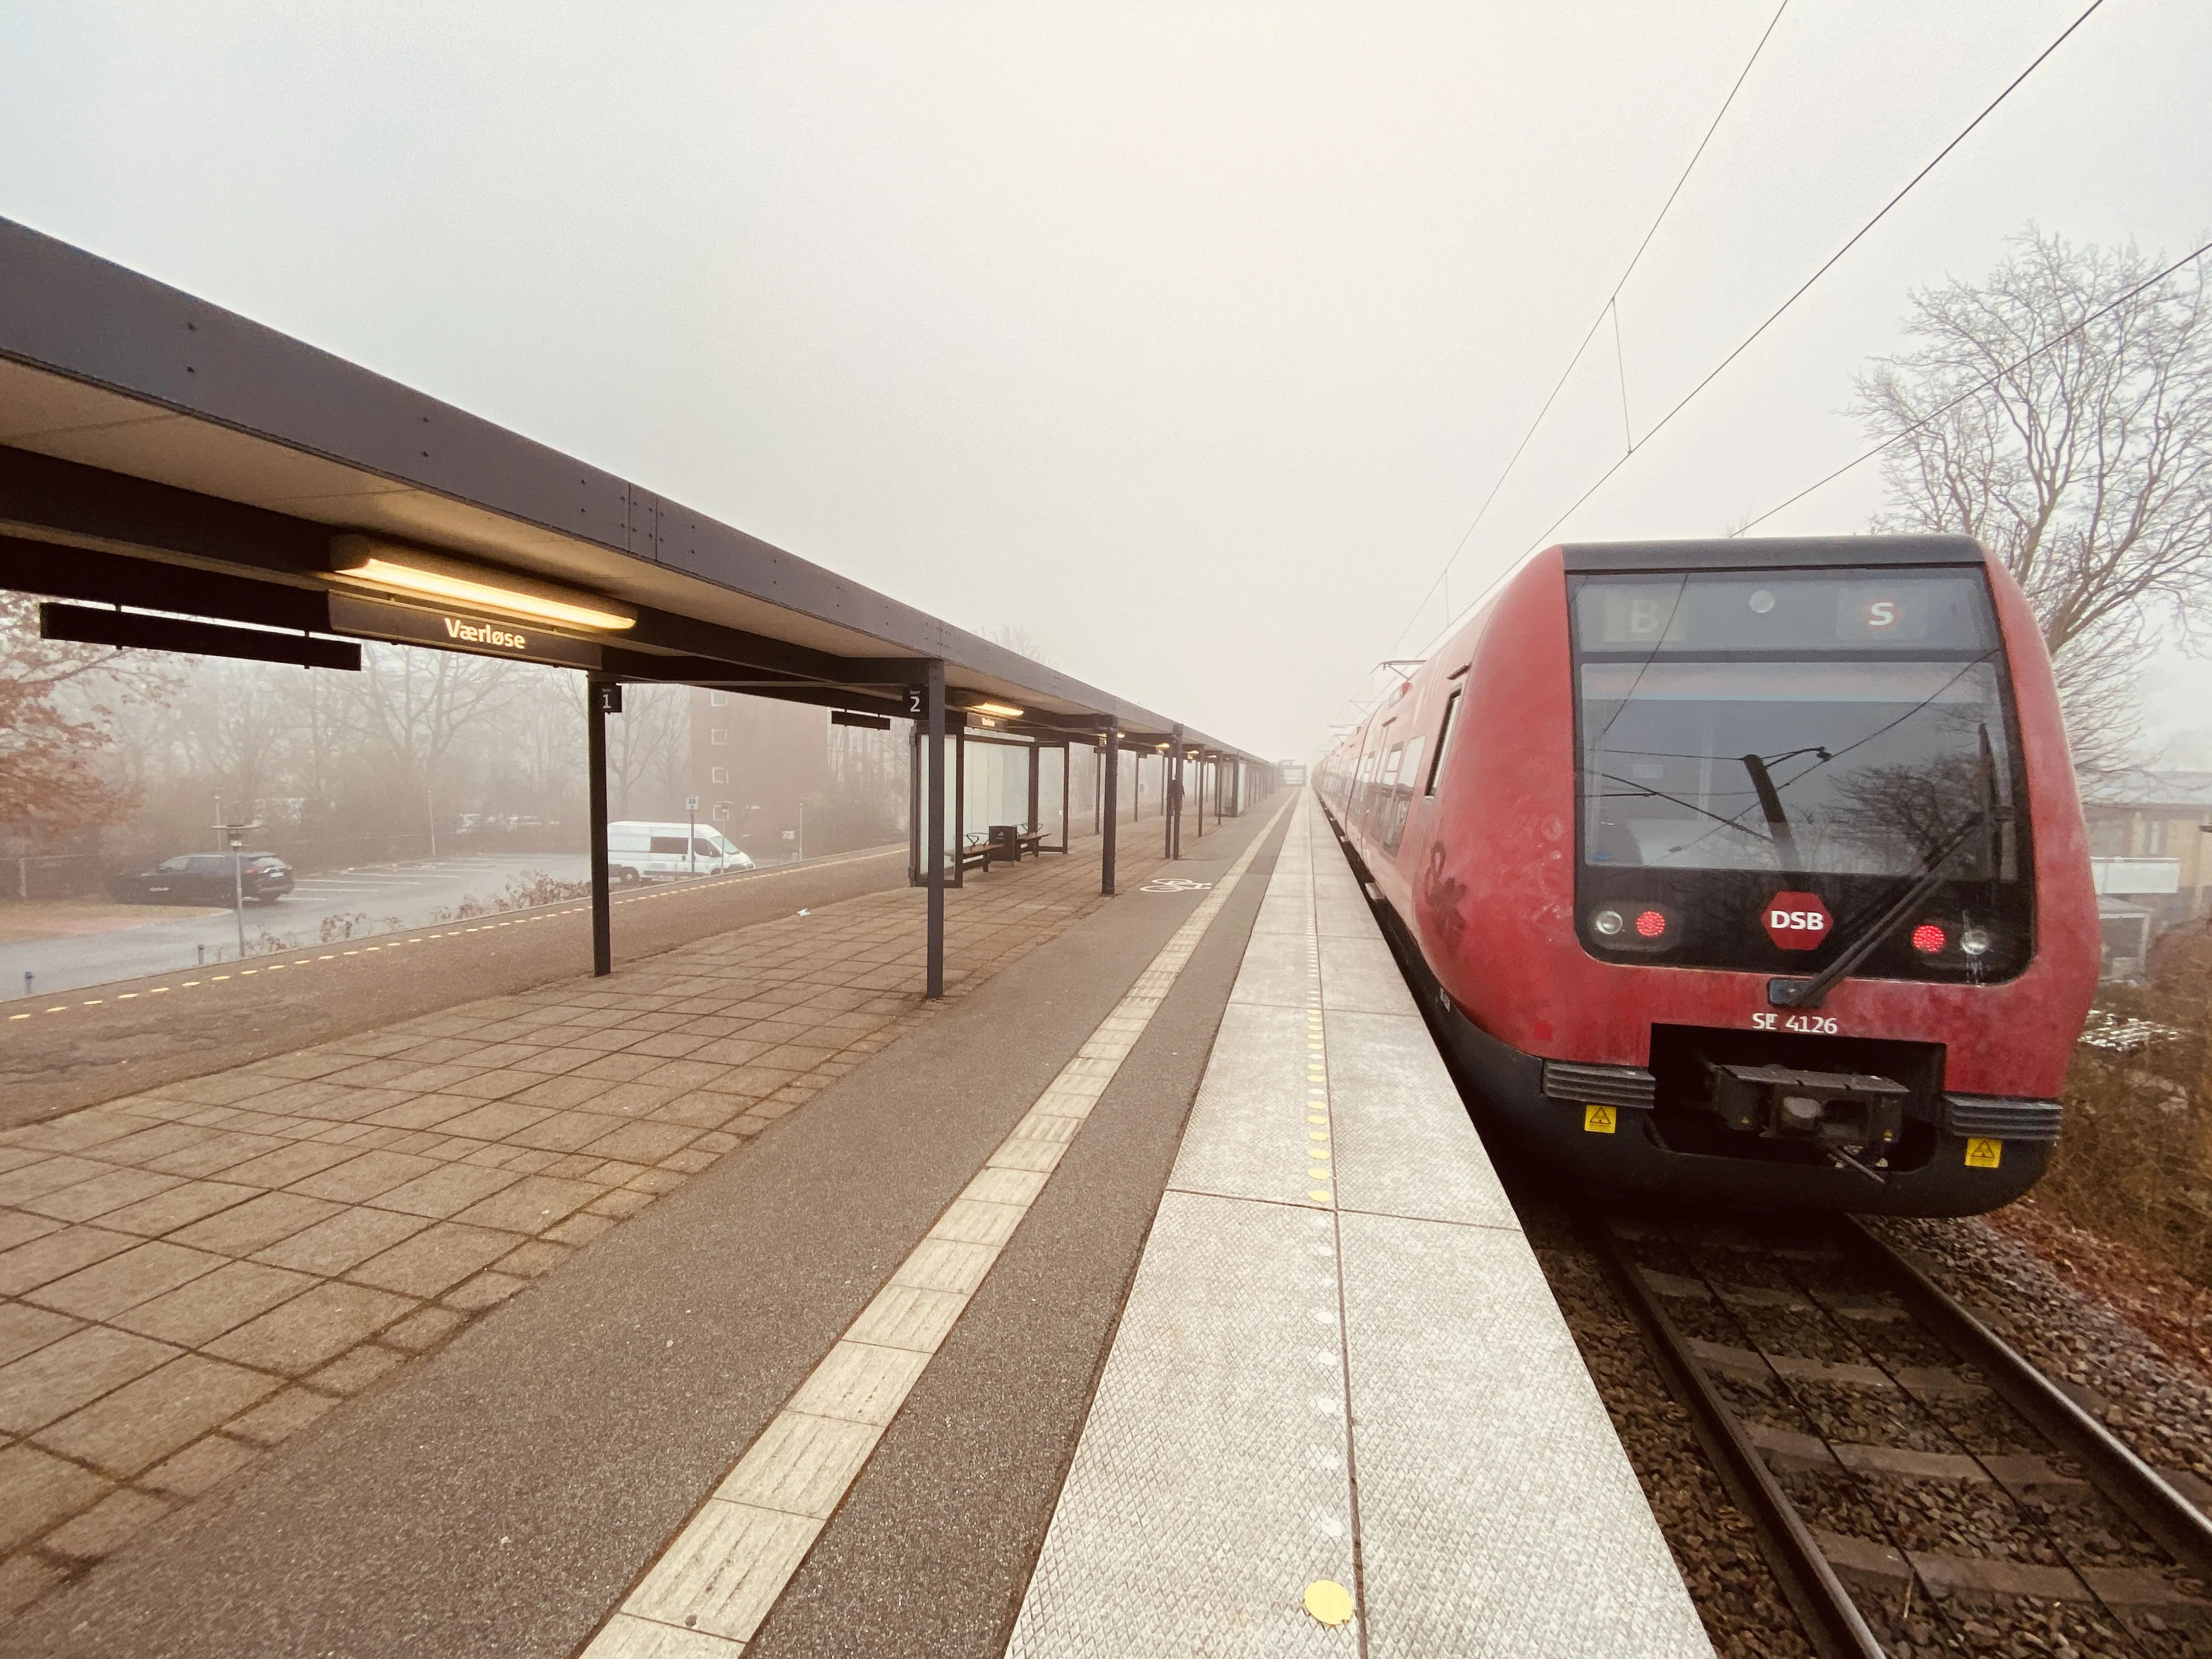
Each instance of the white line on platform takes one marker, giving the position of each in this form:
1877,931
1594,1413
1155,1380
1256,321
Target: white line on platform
714,1584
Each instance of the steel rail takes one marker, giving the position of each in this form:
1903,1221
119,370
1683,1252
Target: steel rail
1831,1619
2140,1491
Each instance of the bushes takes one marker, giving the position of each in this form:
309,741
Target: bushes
2135,1162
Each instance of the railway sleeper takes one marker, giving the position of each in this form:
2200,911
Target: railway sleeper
1876,1570
1759,1368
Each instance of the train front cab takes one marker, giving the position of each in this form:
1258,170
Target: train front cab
1677,782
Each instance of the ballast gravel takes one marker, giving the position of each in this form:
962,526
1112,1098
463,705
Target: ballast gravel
2160,1408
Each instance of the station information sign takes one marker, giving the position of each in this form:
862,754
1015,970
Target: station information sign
458,630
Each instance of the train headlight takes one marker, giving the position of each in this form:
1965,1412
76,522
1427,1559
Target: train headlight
1975,941
1608,923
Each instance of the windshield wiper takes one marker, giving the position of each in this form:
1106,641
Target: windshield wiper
1808,992
1778,821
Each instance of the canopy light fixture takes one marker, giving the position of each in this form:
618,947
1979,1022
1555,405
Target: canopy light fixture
1004,711
359,562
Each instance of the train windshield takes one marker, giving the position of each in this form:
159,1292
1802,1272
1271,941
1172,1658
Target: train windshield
1844,722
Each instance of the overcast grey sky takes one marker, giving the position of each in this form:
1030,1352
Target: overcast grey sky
1187,337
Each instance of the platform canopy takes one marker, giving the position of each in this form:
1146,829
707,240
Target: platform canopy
204,466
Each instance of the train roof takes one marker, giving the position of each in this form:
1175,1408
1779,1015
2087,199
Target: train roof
1771,552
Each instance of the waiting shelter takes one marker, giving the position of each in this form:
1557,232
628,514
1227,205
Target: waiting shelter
174,477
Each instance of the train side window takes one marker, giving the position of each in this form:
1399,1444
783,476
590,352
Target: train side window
1443,743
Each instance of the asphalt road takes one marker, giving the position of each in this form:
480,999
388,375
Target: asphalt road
507,1493
370,897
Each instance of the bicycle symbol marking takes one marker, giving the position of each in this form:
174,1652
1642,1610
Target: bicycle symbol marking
1174,884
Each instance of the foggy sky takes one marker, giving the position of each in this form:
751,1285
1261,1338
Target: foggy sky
1187,338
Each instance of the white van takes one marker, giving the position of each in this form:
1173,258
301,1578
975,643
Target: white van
658,852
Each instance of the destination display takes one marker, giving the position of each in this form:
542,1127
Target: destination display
458,630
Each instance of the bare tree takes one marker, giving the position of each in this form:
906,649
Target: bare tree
2061,411
647,745
412,706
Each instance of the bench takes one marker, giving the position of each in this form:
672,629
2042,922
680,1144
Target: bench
975,854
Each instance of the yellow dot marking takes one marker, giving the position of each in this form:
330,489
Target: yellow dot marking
19,1017
218,979
126,996
1317,1135
1328,1602
95,1002
61,1010
1319,1194
1317,1175
157,990
248,972
275,967
1316,1118
325,959
190,983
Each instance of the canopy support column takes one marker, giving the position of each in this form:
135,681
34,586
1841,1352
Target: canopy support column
934,838
1110,776
601,699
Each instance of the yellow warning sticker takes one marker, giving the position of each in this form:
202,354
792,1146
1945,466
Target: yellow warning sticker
1601,1120
1982,1153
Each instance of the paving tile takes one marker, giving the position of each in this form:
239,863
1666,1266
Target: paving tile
538,1256
561,1093
421,1332
63,1251
179,1207
621,1068
330,1247
687,1163
73,1132
199,1466
643,1143
143,1422
106,1526
496,1120
357,1368
633,1099
194,1315
365,1176
107,1288
494,1084
39,1490
112,1190
579,1230
424,1112
255,1226
445,1190
61,1377
157,1140
25,1329
215,1155
434,1259
619,1205
278,1419
290,1161
486,1290
311,1329
701,1109
19,1186
565,1132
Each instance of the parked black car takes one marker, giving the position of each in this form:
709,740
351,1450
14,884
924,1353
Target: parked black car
206,878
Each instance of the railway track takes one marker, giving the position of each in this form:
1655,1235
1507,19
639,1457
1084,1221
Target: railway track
1921,1489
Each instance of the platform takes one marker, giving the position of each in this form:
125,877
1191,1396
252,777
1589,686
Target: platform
1340,1365
1047,1318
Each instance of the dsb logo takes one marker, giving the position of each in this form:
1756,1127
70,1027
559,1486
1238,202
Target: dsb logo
1796,922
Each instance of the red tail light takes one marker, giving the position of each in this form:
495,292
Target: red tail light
1928,938
1650,924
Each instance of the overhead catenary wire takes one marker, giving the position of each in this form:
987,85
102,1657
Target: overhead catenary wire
1802,288
1976,390
1611,300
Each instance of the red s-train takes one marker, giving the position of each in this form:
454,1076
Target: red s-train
1745,870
